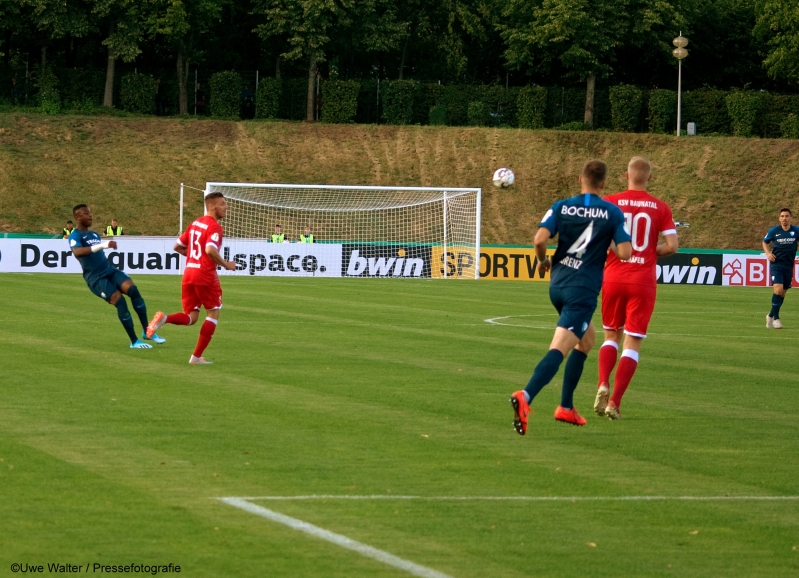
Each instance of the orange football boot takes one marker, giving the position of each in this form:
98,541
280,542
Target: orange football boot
521,409
569,416
157,323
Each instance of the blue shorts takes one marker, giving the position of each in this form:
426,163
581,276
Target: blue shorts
107,285
576,306
781,276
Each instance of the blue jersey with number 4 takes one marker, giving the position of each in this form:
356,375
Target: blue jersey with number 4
94,265
586,225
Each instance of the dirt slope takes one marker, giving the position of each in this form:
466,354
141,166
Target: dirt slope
729,189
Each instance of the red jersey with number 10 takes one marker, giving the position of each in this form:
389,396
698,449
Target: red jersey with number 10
200,268
646,217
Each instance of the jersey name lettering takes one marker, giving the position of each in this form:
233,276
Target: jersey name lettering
637,203
571,262
588,212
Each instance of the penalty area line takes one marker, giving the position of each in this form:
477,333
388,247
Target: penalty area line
520,498
337,539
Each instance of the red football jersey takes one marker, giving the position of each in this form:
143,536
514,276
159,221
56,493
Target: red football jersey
646,217
200,269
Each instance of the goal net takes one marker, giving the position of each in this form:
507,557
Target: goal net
379,231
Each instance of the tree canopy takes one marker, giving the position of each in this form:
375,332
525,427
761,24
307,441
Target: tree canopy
734,43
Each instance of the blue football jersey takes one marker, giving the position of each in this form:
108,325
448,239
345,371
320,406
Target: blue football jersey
94,265
586,225
783,245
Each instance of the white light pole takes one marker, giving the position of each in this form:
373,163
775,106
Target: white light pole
679,53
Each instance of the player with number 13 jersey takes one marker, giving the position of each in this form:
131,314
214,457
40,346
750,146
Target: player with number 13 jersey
200,244
630,286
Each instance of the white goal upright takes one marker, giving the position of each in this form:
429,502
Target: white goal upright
382,231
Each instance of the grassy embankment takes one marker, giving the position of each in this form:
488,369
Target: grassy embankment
729,189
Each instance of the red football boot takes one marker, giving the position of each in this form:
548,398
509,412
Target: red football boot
569,416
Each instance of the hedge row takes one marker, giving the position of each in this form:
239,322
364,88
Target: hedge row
623,107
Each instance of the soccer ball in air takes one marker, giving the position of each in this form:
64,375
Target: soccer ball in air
503,178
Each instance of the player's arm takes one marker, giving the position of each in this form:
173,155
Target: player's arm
621,244
213,252
623,250
767,246
546,230
669,246
83,251
540,243
180,245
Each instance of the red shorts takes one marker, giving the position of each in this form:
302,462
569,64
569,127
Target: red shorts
628,306
209,296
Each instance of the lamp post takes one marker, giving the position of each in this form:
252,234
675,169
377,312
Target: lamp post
679,53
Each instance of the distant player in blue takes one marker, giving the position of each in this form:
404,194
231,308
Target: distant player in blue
104,280
782,254
586,227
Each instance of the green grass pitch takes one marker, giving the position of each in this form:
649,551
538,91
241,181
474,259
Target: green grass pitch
387,387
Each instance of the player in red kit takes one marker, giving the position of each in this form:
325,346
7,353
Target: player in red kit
629,287
200,244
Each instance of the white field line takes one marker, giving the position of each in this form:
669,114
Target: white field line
499,321
519,498
336,539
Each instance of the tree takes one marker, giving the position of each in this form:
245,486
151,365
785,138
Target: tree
778,25
186,25
582,35
585,36
306,25
55,19
123,23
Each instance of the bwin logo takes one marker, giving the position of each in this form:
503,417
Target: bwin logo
399,266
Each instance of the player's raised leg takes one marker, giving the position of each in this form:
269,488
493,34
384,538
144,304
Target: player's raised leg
180,318
131,290
118,301
566,412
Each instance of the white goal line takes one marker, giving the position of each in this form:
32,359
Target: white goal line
517,498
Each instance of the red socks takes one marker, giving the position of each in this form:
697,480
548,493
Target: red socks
178,319
607,360
624,374
206,333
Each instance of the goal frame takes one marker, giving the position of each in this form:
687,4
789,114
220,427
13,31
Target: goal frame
444,190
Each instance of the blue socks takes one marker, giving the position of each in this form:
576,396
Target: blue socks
544,372
776,303
126,319
571,377
138,305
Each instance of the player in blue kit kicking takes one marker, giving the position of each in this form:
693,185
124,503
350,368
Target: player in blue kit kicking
104,280
782,255
586,227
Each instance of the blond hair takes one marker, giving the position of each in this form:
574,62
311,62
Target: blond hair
638,170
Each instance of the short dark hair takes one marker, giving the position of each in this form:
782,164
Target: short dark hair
216,195
786,210
276,225
70,223
76,208
595,172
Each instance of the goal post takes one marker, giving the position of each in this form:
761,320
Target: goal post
401,232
